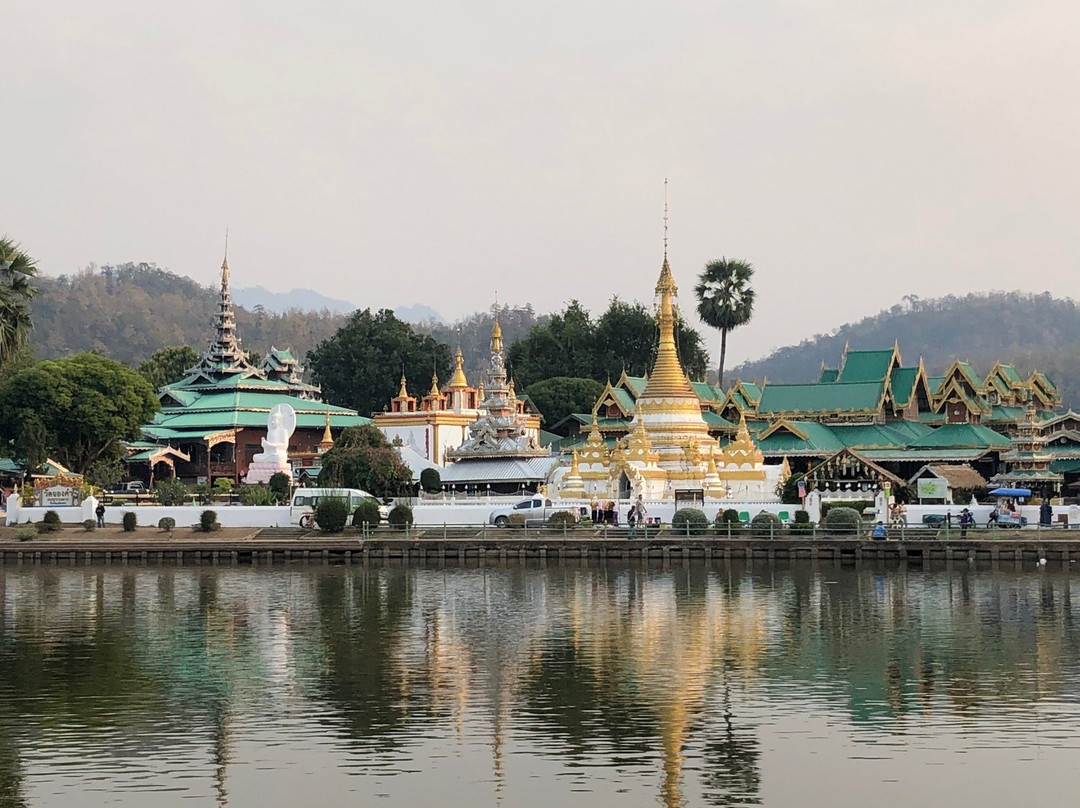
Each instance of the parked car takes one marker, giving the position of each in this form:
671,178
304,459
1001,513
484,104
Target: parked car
132,487
535,510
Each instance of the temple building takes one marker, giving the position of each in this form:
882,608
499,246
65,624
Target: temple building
212,421
440,421
668,450
502,452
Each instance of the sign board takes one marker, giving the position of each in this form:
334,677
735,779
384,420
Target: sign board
689,497
58,496
932,488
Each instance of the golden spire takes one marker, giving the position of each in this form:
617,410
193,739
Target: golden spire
458,379
327,439
403,393
434,391
667,380
225,263
513,393
496,337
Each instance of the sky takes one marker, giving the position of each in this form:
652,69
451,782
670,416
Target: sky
444,152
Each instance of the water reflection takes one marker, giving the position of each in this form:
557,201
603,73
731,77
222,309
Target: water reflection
526,686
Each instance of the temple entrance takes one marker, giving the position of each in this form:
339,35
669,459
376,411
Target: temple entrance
624,486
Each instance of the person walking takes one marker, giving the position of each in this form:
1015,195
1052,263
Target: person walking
631,520
100,512
641,513
966,521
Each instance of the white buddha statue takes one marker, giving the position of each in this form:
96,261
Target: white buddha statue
274,457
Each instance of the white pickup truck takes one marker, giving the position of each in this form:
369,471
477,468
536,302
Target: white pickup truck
535,510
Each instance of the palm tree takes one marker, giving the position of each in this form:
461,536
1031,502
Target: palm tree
16,270
725,300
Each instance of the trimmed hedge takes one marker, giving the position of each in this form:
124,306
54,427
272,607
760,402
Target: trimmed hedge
431,481
166,523
129,521
208,522
689,522
842,522
729,516
331,514
766,525
400,516
561,519
89,525
366,513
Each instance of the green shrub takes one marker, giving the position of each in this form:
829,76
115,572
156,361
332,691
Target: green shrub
801,527
280,485
516,520
431,481
367,513
129,521
857,505
166,523
257,495
842,522
561,519
25,533
203,493
689,522
331,514
208,522
51,518
802,517
89,525
400,516
223,486
170,492
766,525
730,516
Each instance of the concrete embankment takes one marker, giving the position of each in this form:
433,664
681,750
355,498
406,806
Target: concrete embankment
484,547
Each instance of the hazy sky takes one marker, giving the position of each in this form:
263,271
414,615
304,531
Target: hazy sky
396,152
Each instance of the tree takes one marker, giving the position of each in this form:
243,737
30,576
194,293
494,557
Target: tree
559,397
725,300
78,410
168,365
17,268
359,366
570,344
363,458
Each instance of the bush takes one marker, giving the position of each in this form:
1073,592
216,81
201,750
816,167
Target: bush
802,517
400,516
515,520
689,522
203,493
223,486
766,525
842,522
51,518
801,527
280,485
730,516
367,513
257,495
208,522
562,519
331,514
129,521
857,505
25,533
166,523
431,481
89,525
170,492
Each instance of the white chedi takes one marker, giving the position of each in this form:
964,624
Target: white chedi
274,458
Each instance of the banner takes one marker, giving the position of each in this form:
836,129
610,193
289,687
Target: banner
933,488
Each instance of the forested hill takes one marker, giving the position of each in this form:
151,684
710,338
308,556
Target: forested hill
1030,331
129,311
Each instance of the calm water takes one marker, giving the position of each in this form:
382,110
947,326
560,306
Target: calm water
537,687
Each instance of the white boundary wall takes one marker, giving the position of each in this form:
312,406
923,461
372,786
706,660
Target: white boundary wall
148,515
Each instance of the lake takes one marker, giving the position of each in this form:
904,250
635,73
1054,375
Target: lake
593,686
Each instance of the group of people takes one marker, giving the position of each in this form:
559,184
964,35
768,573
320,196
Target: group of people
607,513
898,514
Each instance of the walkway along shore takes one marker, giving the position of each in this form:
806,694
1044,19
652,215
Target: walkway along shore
469,546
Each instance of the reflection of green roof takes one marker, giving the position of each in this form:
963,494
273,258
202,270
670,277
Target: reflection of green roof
815,398
865,366
963,436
